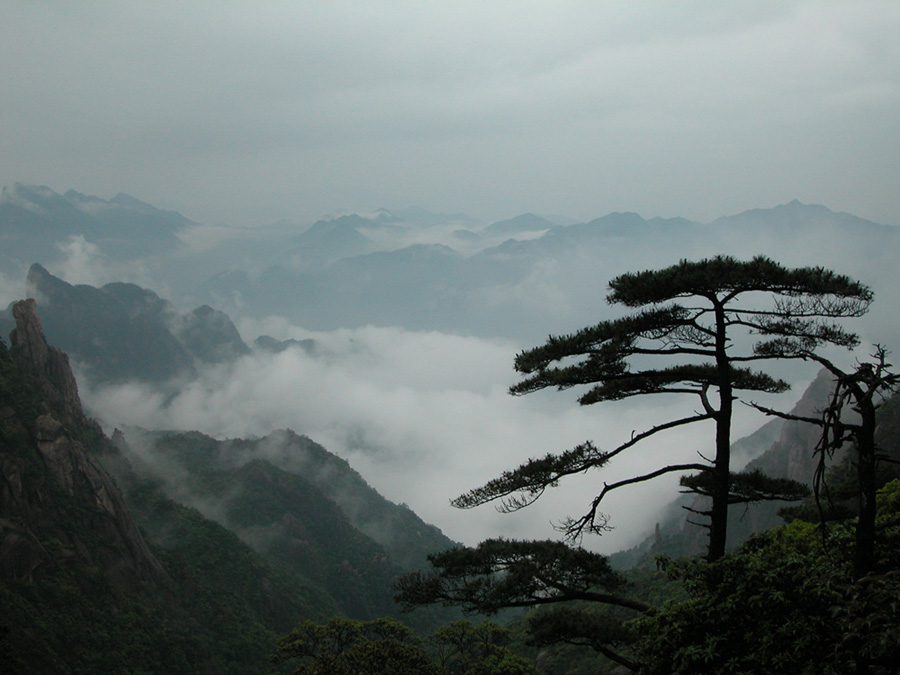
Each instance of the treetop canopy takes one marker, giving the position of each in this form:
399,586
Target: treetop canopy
804,303
724,274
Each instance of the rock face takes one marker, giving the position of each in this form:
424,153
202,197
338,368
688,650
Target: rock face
47,366
791,456
209,335
59,507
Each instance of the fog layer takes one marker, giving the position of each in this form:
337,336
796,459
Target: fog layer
424,416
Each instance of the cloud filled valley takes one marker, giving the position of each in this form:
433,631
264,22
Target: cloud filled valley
423,417
296,296
393,349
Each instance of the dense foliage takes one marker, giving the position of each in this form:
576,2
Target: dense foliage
386,647
787,602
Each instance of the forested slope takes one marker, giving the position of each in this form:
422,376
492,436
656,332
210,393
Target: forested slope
98,580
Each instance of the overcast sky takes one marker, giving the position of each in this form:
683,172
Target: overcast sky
246,112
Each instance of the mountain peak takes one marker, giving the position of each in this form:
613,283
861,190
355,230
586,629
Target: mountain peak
795,205
37,199
49,367
44,287
54,425
126,200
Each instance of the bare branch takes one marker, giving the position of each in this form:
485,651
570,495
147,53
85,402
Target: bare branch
576,528
635,439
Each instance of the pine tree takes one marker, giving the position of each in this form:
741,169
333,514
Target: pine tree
694,317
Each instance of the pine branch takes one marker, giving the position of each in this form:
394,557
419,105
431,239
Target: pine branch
501,573
637,438
748,486
575,529
533,477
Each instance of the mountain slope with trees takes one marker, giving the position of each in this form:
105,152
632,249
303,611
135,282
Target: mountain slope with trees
94,579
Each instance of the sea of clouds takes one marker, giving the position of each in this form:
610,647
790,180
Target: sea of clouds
424,417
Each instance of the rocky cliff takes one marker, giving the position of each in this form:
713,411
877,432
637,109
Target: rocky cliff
46,367
207,583
791,456
60,509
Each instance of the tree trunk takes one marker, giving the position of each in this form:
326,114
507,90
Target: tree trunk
718,526
865,468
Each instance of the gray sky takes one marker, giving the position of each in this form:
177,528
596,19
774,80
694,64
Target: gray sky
245,112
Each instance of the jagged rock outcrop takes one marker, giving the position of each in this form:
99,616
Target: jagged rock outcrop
209,335
59,507
47,367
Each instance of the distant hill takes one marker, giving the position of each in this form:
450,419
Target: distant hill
35,220
122,331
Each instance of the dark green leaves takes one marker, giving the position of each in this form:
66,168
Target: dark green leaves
749,486
533,477
346,647
783,603
501,573
607,342
724,277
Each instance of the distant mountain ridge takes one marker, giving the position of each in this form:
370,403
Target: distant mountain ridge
797,214
506,280
33,220
518,283
498,289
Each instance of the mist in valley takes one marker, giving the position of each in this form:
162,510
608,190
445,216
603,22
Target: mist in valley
424,414
414,194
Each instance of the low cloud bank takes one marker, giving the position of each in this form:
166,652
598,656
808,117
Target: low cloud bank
423,417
